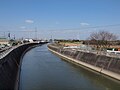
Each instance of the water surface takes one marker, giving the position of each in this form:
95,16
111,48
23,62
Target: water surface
42,70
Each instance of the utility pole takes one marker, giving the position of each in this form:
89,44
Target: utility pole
9,35
4,35
36,33
14,36
51,39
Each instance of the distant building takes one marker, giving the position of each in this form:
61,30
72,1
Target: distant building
4,41
31,40
28,40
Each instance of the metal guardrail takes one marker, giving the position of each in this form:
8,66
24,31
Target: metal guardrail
8,50
90,51
100,53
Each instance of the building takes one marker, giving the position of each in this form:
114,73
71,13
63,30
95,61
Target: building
4,41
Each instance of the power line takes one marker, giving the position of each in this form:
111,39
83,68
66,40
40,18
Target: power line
19,31
82,28
113,25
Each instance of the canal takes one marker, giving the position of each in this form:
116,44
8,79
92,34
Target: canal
42,70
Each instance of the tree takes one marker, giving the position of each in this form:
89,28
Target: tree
102,38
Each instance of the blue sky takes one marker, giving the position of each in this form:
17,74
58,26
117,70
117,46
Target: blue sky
58,18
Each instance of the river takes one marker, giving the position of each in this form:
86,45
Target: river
42,70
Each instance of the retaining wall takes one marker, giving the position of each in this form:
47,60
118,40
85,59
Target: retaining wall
109,66
10,65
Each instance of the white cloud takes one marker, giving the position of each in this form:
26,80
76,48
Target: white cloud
29,21
84,24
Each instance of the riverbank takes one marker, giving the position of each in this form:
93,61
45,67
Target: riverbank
107,66
10,64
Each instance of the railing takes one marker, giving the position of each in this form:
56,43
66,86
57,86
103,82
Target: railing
6,51
98,52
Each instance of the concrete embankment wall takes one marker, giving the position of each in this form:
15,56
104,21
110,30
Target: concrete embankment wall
109,66
10,65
